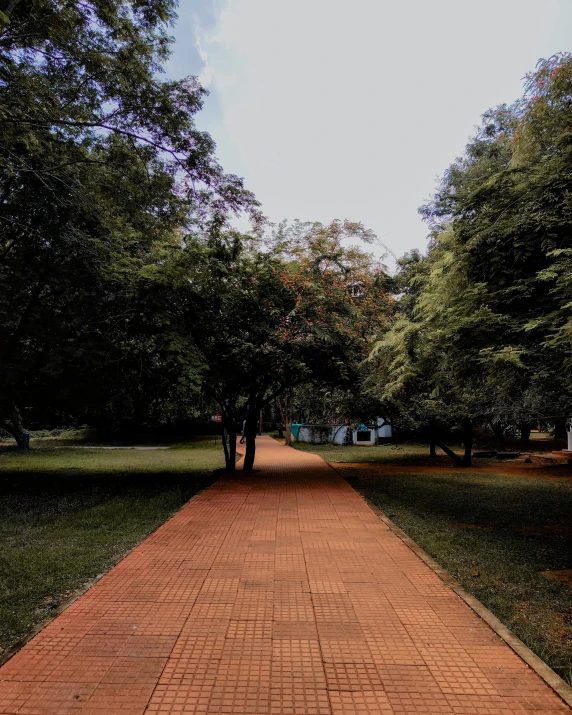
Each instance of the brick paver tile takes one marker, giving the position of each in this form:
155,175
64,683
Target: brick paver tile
177,699
149,646
132,671
272,593
432,703
104,646
233,699
546,704
117,699
353,676
294,630
479,705
297,700
297,663
358,703
409,679
48,698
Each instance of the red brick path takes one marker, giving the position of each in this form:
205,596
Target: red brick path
275,592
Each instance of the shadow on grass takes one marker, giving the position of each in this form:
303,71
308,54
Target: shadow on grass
496,535
66,516
402,453
480,498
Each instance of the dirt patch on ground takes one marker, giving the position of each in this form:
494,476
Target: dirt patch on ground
563,575
541,468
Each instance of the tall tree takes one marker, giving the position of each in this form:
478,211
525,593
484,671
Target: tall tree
99,160
486,335
267,315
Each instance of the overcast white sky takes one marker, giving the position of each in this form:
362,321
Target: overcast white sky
333,109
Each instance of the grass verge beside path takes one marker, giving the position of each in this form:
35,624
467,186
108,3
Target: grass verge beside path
495,534
67,515
405,453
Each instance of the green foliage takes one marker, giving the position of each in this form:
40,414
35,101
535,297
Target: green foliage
267,315
322,402
100,162
483,326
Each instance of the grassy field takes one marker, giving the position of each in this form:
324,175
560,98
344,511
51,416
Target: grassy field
495,533
66,515
405,453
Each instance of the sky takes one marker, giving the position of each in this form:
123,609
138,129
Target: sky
334,110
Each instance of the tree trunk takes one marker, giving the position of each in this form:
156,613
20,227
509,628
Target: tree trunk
229,442
468,442
525,429
498,429
432,443
250,431
455,457
288,430
286,412
279,425
225,448
11,421
231,462
560,428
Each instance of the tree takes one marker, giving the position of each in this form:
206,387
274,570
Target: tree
100,160
342,302
267,315
422,368
485,336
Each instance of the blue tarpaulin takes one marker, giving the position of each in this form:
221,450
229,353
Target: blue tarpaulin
295,429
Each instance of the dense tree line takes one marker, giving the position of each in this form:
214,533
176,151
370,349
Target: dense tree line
100,164
483,329
126,295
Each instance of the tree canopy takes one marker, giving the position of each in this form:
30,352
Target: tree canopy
128,297
268,314
483,328
100,161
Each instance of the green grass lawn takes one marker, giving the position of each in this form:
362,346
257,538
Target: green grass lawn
409,453
496,534
403,453
66,515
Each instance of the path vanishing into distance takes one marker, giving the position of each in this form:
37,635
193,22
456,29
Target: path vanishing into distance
277,592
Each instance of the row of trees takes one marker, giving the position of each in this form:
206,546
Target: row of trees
483,329
100,165
480,328
126,295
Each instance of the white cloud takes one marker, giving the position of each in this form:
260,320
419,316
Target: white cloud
332,109
206,73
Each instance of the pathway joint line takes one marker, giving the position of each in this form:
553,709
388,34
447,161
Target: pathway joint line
537,664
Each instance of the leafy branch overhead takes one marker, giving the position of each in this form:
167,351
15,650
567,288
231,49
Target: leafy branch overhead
82,72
